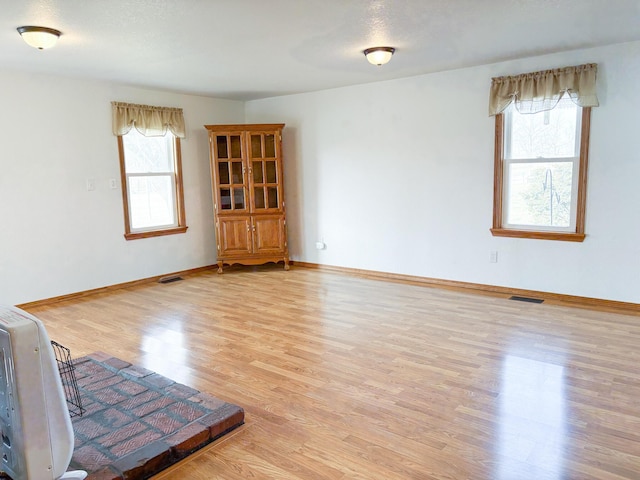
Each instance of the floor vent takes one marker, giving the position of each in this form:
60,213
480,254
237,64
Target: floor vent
526,299
170,278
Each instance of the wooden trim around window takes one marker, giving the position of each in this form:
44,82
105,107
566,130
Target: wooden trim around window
498,171
498,188
538,235
123,184
582,174
182,227
155,233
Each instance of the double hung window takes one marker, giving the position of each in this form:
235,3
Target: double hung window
540,172
151,171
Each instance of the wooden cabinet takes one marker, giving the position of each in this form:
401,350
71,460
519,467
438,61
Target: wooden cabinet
248,194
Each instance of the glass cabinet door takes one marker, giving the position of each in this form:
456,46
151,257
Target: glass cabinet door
265,172
231,171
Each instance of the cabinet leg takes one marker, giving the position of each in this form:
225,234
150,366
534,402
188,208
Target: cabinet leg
219,267
286,264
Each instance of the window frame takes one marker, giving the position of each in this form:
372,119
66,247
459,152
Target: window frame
499,189
177,186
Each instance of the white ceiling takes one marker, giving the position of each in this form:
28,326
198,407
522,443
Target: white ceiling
248,49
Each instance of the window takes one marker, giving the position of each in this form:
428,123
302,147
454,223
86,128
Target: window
541,152
150,168
540,173
152,184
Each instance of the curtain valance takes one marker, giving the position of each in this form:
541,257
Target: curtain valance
149,121
540,91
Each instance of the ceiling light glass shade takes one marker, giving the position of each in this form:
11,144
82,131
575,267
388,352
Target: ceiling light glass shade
39,37
379,55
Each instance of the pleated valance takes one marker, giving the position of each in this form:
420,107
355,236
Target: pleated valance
149,121
540,91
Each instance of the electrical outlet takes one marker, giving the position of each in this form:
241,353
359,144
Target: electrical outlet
493,257
91,184
321,245
113,184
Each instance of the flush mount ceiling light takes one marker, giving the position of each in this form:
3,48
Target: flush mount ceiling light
379,55
39,37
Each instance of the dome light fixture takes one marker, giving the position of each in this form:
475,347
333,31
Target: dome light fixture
379,55
39,37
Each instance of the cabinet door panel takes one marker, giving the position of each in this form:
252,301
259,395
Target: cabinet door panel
229,173
269,234
266,172
234,236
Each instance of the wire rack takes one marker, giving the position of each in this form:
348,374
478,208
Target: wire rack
68,376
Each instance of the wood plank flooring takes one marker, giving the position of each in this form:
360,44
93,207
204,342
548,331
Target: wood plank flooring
343,377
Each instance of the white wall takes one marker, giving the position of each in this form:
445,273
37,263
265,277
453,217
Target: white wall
397,176
57,237
394,176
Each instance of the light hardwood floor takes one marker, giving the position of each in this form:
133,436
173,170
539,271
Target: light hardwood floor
343,377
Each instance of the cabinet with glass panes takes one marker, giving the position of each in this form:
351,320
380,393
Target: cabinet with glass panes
248,194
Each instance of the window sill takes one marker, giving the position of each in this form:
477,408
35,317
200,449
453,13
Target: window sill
567,237
155,233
